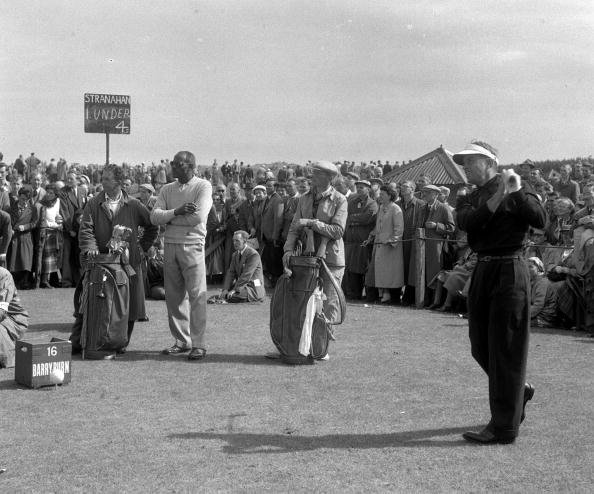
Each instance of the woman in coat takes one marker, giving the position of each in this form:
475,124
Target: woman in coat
20,253
214,253
387,265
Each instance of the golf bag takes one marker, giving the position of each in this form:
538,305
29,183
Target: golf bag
288,309
105,304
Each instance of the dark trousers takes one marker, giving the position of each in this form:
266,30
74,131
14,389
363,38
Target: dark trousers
353,284
272,260
409,295
499,324
71,261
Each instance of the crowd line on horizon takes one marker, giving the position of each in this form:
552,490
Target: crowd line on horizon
41,204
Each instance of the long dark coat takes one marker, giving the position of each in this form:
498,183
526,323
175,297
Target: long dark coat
360,221
21,251
96,229
414,216
442,215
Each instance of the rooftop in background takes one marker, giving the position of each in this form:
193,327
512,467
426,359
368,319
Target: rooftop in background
437,164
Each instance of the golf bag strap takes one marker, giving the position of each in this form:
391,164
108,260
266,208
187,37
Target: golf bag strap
339,293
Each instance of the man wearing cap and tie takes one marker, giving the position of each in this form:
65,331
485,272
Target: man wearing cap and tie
244,281
439,224
324,210
362,212
497,217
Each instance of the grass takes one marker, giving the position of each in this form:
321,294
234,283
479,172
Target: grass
385,414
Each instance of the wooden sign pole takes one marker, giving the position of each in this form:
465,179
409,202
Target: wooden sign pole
420,261
107,148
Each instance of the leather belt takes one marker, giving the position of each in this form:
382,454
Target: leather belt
499,258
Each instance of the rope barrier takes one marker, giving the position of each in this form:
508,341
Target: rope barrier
453,241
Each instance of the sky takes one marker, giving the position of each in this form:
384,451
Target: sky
265,81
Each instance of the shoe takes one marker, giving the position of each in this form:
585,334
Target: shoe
99,355
197,354
122,350
325,358
386,302
143,319
175,350
46,285
528,394
445,308
66,284
487,437
433,307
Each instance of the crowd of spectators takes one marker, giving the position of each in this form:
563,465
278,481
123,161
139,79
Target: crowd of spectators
41,204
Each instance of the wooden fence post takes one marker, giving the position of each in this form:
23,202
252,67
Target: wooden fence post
420,268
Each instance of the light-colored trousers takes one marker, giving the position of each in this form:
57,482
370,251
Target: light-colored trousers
185,293
331,304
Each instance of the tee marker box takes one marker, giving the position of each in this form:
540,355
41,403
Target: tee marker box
35,360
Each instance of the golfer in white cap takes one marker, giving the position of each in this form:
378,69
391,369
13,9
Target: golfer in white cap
497,222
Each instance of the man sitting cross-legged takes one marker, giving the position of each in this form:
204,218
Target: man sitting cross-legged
244,281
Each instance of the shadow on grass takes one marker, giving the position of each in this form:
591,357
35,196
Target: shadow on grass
585,339
248,443
10,383
60,327
211,358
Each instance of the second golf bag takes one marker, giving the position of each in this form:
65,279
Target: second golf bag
299,287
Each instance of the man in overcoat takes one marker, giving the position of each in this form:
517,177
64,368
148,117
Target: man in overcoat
439,225
413,212
362,211
111,207
74,198
272,227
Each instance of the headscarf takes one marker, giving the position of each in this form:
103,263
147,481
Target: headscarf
538,263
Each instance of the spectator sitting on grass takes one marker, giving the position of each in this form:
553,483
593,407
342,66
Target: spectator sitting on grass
543,302
14,320
244,281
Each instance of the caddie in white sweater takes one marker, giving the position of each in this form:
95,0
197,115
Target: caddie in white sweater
183,207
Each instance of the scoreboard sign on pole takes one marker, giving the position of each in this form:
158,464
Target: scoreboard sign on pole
107,113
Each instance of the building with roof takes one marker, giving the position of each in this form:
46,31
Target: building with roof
437,164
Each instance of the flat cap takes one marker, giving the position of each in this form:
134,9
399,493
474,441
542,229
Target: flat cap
529,162
325,167
363,182
148,187
259,187
375,180
432,188
352,175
